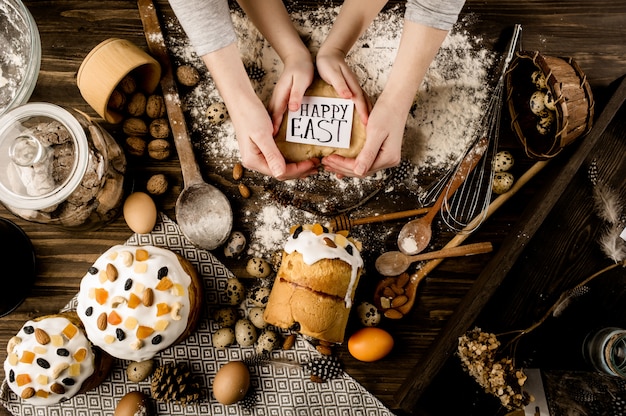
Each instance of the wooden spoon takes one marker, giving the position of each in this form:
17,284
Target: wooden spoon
410,287
393,263
416,234
203,212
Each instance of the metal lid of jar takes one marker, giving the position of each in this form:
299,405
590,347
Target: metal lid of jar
43,155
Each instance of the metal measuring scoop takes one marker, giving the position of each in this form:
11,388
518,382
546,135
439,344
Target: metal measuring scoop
203,212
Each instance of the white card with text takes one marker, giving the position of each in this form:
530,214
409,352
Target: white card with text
321,121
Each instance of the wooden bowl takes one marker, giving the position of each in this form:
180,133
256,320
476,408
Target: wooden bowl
572,101
106,65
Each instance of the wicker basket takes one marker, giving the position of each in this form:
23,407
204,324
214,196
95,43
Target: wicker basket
572,103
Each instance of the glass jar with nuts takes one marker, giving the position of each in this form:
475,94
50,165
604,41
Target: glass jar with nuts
59,167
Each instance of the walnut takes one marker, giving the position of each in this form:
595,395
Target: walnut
155,106
188,75
136,146
159,128
157,184
135,127
136,106
159,149
117,101
128,84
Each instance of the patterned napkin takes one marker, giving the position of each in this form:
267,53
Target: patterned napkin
276,389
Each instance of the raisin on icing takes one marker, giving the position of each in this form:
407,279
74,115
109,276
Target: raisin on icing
297,232
29,330
119,333
43,363
62,352
157,340
89,311
349,250
128,284
68,381
93,270
163,271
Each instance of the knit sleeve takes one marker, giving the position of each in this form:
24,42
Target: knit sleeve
440,14
207,23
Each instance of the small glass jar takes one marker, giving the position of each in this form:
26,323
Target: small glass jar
59,167
605,350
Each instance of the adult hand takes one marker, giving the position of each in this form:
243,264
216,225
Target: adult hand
332,68
383,144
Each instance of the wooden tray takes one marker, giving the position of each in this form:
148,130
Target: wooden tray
520,237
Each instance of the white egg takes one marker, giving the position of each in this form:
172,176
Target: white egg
223,337
268,341
369,315
537,102
549,102
256,317
545,123
245,333
503,161
539,79
502,182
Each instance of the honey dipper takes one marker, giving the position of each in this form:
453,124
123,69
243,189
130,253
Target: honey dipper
344,222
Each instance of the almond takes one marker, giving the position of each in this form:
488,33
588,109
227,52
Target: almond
28,392
399,301
244,191
111,273
289,342
237,171
148,297
393,314
42,336
57,388
102,321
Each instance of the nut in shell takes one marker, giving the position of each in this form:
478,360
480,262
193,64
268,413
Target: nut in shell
155,106
136,106
187,75
157,184
159,128
159,149
128,84
117,101
135,126
135,146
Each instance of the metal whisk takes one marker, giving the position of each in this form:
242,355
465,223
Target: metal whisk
472,198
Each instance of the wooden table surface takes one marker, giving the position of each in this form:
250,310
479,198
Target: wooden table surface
591,32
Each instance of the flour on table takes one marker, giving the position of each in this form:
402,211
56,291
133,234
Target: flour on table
440,126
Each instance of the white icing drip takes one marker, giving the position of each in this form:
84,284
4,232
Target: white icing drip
313,249
52,326
145,315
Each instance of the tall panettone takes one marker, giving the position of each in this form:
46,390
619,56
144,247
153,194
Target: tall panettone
315,285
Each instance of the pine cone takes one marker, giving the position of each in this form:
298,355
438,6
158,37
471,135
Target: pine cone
174,382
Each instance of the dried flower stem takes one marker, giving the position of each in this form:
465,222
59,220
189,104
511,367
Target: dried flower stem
549,312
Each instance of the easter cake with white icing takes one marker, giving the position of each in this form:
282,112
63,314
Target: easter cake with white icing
315,285
136,301
50,360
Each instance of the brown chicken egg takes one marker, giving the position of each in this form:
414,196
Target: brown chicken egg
140,212
134,403
231,382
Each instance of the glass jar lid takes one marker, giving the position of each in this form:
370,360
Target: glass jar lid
43,155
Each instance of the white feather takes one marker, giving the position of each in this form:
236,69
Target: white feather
612,245
607,204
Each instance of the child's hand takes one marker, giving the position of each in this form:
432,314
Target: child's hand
296,77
